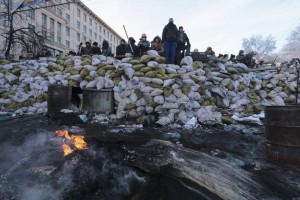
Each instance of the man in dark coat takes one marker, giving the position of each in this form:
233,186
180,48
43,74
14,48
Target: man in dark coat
131,47
121,49
96,49
169,39
87,50
106,49
241,57
181,47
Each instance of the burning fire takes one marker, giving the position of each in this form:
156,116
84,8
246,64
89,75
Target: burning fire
76,140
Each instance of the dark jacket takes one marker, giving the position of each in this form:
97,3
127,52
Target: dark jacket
170,33
106,49
86,51
121,50
96,50
182,39
241,58
133,46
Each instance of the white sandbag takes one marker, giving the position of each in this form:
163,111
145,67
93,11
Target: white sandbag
217,90
152,64
149,109
108,83
157,81
141,102
189,82
148,98
177,92
187,60
159,99
93,74
171,70
90,67
83,84
168,82
146,89
76,77
91,84
181,71
192,105
221,66
145,79
188,68
3,81
176,86
133,97
278,101
159,109
168,105
129,72
95,61
182,117
126,60
100,83
172,98
166,119
194,96
10,77
152,53
134,80
174,111
182,100
156,92
125,65
140,110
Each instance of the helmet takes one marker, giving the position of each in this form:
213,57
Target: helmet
144,35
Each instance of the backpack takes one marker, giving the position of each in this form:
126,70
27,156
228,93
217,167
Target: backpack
171,34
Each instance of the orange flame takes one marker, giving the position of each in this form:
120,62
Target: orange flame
77,141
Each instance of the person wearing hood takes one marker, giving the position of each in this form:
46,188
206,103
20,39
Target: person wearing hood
240,58
121,49
131,47
143,45
106,49
156,45
209,52
95,49
169,39
181,47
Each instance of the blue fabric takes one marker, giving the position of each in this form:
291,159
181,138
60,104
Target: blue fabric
170,51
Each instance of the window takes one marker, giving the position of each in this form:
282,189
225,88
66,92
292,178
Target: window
6,20
84,28
78,12
84,17
91,22
67,6
100,29
96,25
78,37
68,18
31,47
91,32
58,12
44,20
78,25
44,34
95,36
104,31
31,14
84,39
52,37
67,31
68,43
51,24
31,28
58,28
58,39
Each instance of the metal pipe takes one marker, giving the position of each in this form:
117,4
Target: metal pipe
128,40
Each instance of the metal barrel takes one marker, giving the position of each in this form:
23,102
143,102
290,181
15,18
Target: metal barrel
101,101
59,97
282,128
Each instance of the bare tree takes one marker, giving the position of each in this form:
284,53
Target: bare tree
15,33
292,47
259,44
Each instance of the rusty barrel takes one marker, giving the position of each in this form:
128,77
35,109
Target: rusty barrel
59,97
282,128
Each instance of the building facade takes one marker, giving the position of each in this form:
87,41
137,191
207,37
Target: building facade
64,27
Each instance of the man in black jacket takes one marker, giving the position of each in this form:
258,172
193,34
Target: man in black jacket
181,47
95,49
169,39
121,50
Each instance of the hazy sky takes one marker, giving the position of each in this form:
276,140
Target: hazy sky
218,23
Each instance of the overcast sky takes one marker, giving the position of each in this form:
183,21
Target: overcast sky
220,24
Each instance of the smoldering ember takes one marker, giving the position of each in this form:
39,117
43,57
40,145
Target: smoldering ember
94,127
